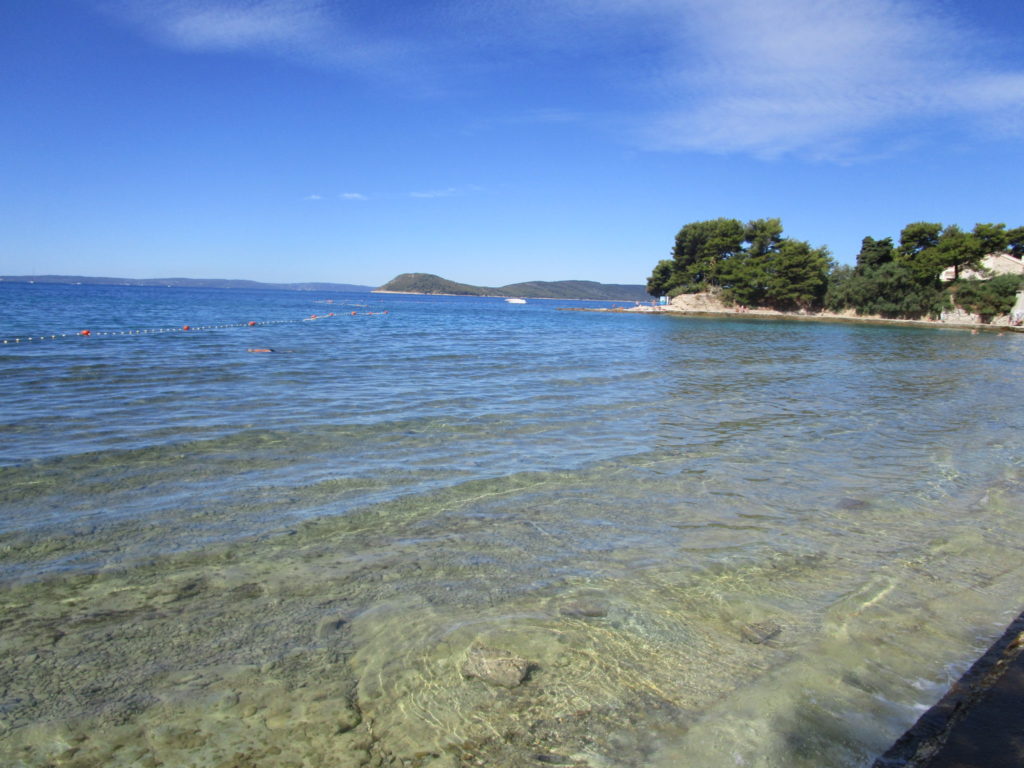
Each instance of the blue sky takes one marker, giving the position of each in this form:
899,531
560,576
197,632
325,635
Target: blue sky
493,141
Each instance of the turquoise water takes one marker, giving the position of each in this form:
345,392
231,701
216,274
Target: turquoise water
715,542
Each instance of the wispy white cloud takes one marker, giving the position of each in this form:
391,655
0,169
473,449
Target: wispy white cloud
817,76
432,193
310,31
996,100
821,78
231,26
353,196
814,77
313,197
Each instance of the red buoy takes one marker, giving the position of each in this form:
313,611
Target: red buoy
252,323
185,328
83,333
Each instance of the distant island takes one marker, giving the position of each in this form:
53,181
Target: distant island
422,283
185,282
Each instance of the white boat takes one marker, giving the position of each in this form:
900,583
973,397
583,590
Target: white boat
516,301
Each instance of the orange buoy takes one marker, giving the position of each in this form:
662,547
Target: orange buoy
252,323
83,333
185,327
353,313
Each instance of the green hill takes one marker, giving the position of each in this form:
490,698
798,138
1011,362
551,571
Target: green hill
418,282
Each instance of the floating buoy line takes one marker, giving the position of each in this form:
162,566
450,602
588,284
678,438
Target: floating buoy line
87,333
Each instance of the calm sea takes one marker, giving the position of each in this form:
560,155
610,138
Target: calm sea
704,542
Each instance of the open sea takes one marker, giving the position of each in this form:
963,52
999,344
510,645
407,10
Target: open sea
443,532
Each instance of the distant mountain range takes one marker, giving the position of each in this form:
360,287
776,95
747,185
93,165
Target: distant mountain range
418,282
185,282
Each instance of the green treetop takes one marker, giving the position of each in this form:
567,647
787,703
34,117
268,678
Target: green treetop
750,263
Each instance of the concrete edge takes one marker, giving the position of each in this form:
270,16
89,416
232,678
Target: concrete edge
926,738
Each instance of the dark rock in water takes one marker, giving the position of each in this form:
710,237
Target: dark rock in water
246,591
496,666
585,609
851,504
547,759
329,626
760,632
190,589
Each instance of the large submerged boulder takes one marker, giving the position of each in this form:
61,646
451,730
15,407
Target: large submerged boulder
496,666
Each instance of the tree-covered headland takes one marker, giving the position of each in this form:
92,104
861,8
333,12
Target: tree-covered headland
755,265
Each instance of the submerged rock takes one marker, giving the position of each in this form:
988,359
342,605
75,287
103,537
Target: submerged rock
760,632
851,504
246,591
329,627
496,666
552,759
442,761
190,589
585,609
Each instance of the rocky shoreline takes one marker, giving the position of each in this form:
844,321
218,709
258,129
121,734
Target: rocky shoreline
708,305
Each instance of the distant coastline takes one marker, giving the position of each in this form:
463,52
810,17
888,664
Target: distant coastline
185,282
411,284
434,293
424,284
487,296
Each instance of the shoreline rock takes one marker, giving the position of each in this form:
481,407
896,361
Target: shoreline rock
709,305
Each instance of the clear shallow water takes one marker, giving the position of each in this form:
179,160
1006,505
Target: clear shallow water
212,556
